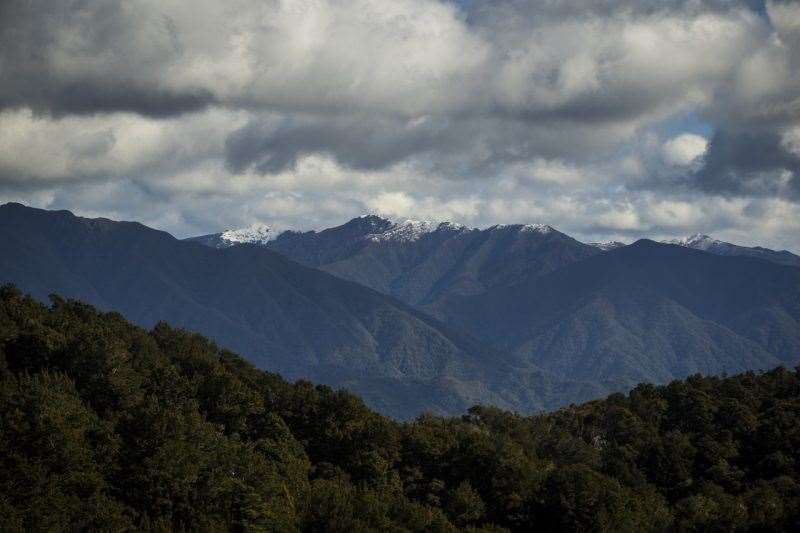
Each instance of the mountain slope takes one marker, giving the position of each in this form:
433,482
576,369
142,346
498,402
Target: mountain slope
714,246
255,234
283,316
422,263
609,314
647,311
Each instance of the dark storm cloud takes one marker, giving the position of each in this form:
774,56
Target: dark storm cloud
749,163
85,98
84,57
459,146
497,11
365,143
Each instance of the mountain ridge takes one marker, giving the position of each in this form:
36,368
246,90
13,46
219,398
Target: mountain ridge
388,229
700,241
286,317
419,262
726,313
550,320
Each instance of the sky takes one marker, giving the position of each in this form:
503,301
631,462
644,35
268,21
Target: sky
607,119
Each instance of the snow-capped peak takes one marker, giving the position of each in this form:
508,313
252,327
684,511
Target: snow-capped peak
608,245
373,218
451,226
406,231
536,228
253,234
697,241
524,228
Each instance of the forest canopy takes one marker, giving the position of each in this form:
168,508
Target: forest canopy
107,426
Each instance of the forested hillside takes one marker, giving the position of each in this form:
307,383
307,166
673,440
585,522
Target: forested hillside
107,426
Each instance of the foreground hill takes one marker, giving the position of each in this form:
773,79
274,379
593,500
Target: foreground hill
106,426
285,317
644,312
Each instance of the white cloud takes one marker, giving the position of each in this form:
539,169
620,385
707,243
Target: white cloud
393,204
72,148
684,149
791,140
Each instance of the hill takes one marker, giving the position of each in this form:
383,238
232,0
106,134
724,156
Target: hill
106,426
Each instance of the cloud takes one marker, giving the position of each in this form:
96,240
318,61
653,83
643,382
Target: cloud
751,162
91,57
359,142
302,113
684,149
37,150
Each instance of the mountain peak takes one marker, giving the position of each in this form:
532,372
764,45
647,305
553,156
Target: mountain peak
362,226
254,234
451,226
371,218
524,228
607,245
18,207
406,231
536,228
704,243
698,241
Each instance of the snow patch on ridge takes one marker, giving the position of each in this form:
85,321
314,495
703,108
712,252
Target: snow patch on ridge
525,228
254,234
698,241
413,230
407,231
536,228
608,245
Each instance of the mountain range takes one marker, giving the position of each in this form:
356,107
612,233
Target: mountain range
606,312
419,316
295,320
423,263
